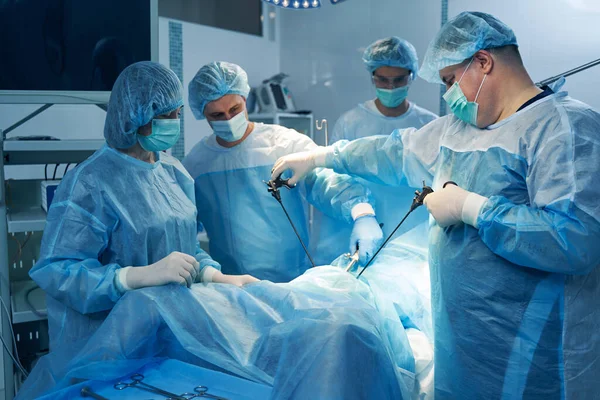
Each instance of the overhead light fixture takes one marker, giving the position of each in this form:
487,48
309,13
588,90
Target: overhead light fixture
299,4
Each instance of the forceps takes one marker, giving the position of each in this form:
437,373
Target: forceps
135,381
200,391
353,260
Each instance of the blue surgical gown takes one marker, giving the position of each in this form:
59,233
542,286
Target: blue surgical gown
515,302
248,231
112,211
392,202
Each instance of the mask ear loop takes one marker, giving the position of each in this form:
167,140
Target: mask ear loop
466,69
480,86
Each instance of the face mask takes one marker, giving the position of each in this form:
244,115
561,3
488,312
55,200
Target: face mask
392,97
232,129
457,101
165,133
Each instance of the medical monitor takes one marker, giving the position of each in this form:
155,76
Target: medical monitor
72,51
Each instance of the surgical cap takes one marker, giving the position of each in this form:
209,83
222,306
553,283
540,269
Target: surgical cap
462,37
214,81
142,91
391,52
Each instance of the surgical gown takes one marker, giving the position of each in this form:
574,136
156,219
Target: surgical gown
325,335
515,302
392,202
248,231
112,211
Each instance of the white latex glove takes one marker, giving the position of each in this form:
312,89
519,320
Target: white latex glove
367,236
237,280
174,268
300,163
452,205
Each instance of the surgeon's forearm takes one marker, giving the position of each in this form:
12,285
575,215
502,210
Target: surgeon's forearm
205,260
377,159
83,285
336,194
541,238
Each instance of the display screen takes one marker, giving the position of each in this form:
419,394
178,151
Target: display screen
71,45
235,15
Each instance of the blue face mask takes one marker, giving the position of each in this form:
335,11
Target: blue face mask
232,129
392,97
457,101
165,133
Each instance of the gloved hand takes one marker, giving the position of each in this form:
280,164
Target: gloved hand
452,205
237,280
174,268
367,234
300,163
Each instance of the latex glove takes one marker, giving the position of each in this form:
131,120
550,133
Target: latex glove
300,163
237,280
452,205
174,268
367,235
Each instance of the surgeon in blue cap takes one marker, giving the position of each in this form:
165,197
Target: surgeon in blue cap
126,217
392,65
513,250
248,231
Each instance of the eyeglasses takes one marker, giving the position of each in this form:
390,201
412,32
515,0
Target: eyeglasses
391,82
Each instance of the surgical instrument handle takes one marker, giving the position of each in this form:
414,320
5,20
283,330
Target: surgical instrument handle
449,183
420,197
87,392
353,259
568,73
137,381
202,391
277,183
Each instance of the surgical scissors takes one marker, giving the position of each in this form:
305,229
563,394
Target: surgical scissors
135,381
200,391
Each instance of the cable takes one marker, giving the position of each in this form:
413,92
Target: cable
11,328
16,361
54,174
66,168
31,307
20,246
46,172
19,249
15,259
8,193
29,235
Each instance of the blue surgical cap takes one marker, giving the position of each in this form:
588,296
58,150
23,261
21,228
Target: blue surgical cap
391,52
460,38
142,91
214,81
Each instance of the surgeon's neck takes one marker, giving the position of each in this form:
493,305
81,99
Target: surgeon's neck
516,89
136,151
392,112
227,144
